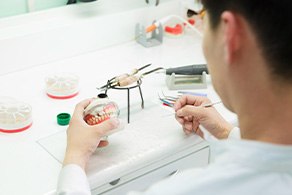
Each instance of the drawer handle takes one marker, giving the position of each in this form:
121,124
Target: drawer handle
115,182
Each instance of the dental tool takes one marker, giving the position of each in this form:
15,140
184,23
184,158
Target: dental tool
196,69
187,77
206,105
132,78
126,79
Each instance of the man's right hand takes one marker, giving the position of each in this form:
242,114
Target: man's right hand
190,114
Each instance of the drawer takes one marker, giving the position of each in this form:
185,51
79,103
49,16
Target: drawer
141,180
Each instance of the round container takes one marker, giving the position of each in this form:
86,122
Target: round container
100,110
63,119
15,116
62,85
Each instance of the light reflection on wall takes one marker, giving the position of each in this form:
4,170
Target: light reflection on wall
17,7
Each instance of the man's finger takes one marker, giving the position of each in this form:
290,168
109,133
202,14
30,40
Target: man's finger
105,127
200,133
189,100
103,143
188,126
188,110
187,132
180,120
79,109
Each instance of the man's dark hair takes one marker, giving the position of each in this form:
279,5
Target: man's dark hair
271,21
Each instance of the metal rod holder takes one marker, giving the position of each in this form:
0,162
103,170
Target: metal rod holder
139,82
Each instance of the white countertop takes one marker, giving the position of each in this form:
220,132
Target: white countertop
28,168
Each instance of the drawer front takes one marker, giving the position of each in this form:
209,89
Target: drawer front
141,182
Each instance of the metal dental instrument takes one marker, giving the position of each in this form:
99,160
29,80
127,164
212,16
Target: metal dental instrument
127,79
169,98
166,101
133,78
189,70
156,4
116,79
207,105
187,77
134,71
197,69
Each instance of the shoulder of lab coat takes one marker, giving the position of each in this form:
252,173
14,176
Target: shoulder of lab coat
73,181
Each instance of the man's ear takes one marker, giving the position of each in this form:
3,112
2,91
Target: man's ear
231,35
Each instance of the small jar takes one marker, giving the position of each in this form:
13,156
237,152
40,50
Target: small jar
62,85
100,110
15,116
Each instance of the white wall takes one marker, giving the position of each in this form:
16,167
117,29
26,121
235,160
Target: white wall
43,37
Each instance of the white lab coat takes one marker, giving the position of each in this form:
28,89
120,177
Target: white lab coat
240,167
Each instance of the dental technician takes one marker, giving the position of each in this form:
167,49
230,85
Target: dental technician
248,48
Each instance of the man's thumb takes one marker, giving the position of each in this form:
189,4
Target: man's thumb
107,126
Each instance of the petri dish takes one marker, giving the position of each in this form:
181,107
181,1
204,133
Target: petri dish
62,85
15,116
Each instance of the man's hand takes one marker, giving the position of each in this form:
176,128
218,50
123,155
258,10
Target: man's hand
82,139
190,114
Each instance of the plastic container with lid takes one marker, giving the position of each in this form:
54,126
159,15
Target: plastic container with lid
15,116
62,85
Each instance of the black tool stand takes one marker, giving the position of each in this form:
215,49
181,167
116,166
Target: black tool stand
139,82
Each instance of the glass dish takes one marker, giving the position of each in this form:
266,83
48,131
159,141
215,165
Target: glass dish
62,85
15,116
